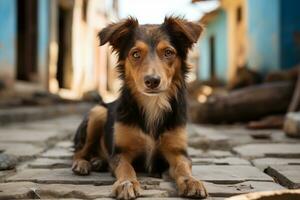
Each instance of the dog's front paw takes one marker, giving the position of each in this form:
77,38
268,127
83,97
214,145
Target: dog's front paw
191,187
98,165
81,167
126,189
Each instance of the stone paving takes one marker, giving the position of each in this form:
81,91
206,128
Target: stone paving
231,160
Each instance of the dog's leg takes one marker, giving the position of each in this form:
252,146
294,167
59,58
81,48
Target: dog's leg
130,142
173,146
97,118
98,164
127,185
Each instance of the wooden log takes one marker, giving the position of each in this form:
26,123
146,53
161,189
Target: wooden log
269,122
277,121
295,103
287,75
269,195
245,104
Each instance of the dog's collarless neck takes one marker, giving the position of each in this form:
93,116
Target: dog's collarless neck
129,112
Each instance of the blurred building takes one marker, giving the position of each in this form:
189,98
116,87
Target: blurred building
52,45
259,34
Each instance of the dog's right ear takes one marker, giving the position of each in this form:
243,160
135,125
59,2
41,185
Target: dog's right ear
117,33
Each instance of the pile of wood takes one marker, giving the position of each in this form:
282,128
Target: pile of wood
277,95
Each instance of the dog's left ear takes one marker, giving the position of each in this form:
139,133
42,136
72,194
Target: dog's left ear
182,29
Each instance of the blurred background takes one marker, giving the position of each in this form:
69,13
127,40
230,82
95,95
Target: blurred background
244,66
245,77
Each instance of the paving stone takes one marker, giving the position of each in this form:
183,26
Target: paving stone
50,163
65,144
21,150
286,175
165,198
7,162
269,150
169,198
71,199
208,154
227,174
220,161
238,134
263,163
216,154
66,176
227,190
194,152
29,136
25,114
261,135
22,190
207,138
61,176
178,198
86,191
4,174
47,191
279,136
292,124
66,124
58,153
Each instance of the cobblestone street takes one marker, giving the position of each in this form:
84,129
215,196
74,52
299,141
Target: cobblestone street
230,159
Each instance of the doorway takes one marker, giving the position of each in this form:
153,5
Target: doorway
64,63
27,32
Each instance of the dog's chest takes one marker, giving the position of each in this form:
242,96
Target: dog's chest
151,160
154,109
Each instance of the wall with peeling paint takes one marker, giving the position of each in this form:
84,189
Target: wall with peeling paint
271,32
290,33
264,35
7,41
43,41
274,34
218,29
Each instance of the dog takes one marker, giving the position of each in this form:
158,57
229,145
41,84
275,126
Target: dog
145,128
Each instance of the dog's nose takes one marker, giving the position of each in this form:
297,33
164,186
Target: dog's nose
151,81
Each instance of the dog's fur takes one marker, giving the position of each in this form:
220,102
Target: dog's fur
144,129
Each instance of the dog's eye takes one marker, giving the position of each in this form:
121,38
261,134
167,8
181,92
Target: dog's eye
169,53
136,55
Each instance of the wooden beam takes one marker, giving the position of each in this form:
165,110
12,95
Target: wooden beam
295,103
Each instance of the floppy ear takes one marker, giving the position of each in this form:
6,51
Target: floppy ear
117,33
183,30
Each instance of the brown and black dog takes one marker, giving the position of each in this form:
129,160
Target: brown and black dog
145,128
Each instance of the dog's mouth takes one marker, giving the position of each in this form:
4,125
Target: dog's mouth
152,92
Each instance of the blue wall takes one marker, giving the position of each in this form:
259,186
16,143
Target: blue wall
43,39
7,38
290,24
264,34
218,29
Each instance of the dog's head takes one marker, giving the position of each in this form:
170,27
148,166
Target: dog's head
152,57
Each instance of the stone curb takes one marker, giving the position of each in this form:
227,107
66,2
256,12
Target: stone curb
25,114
